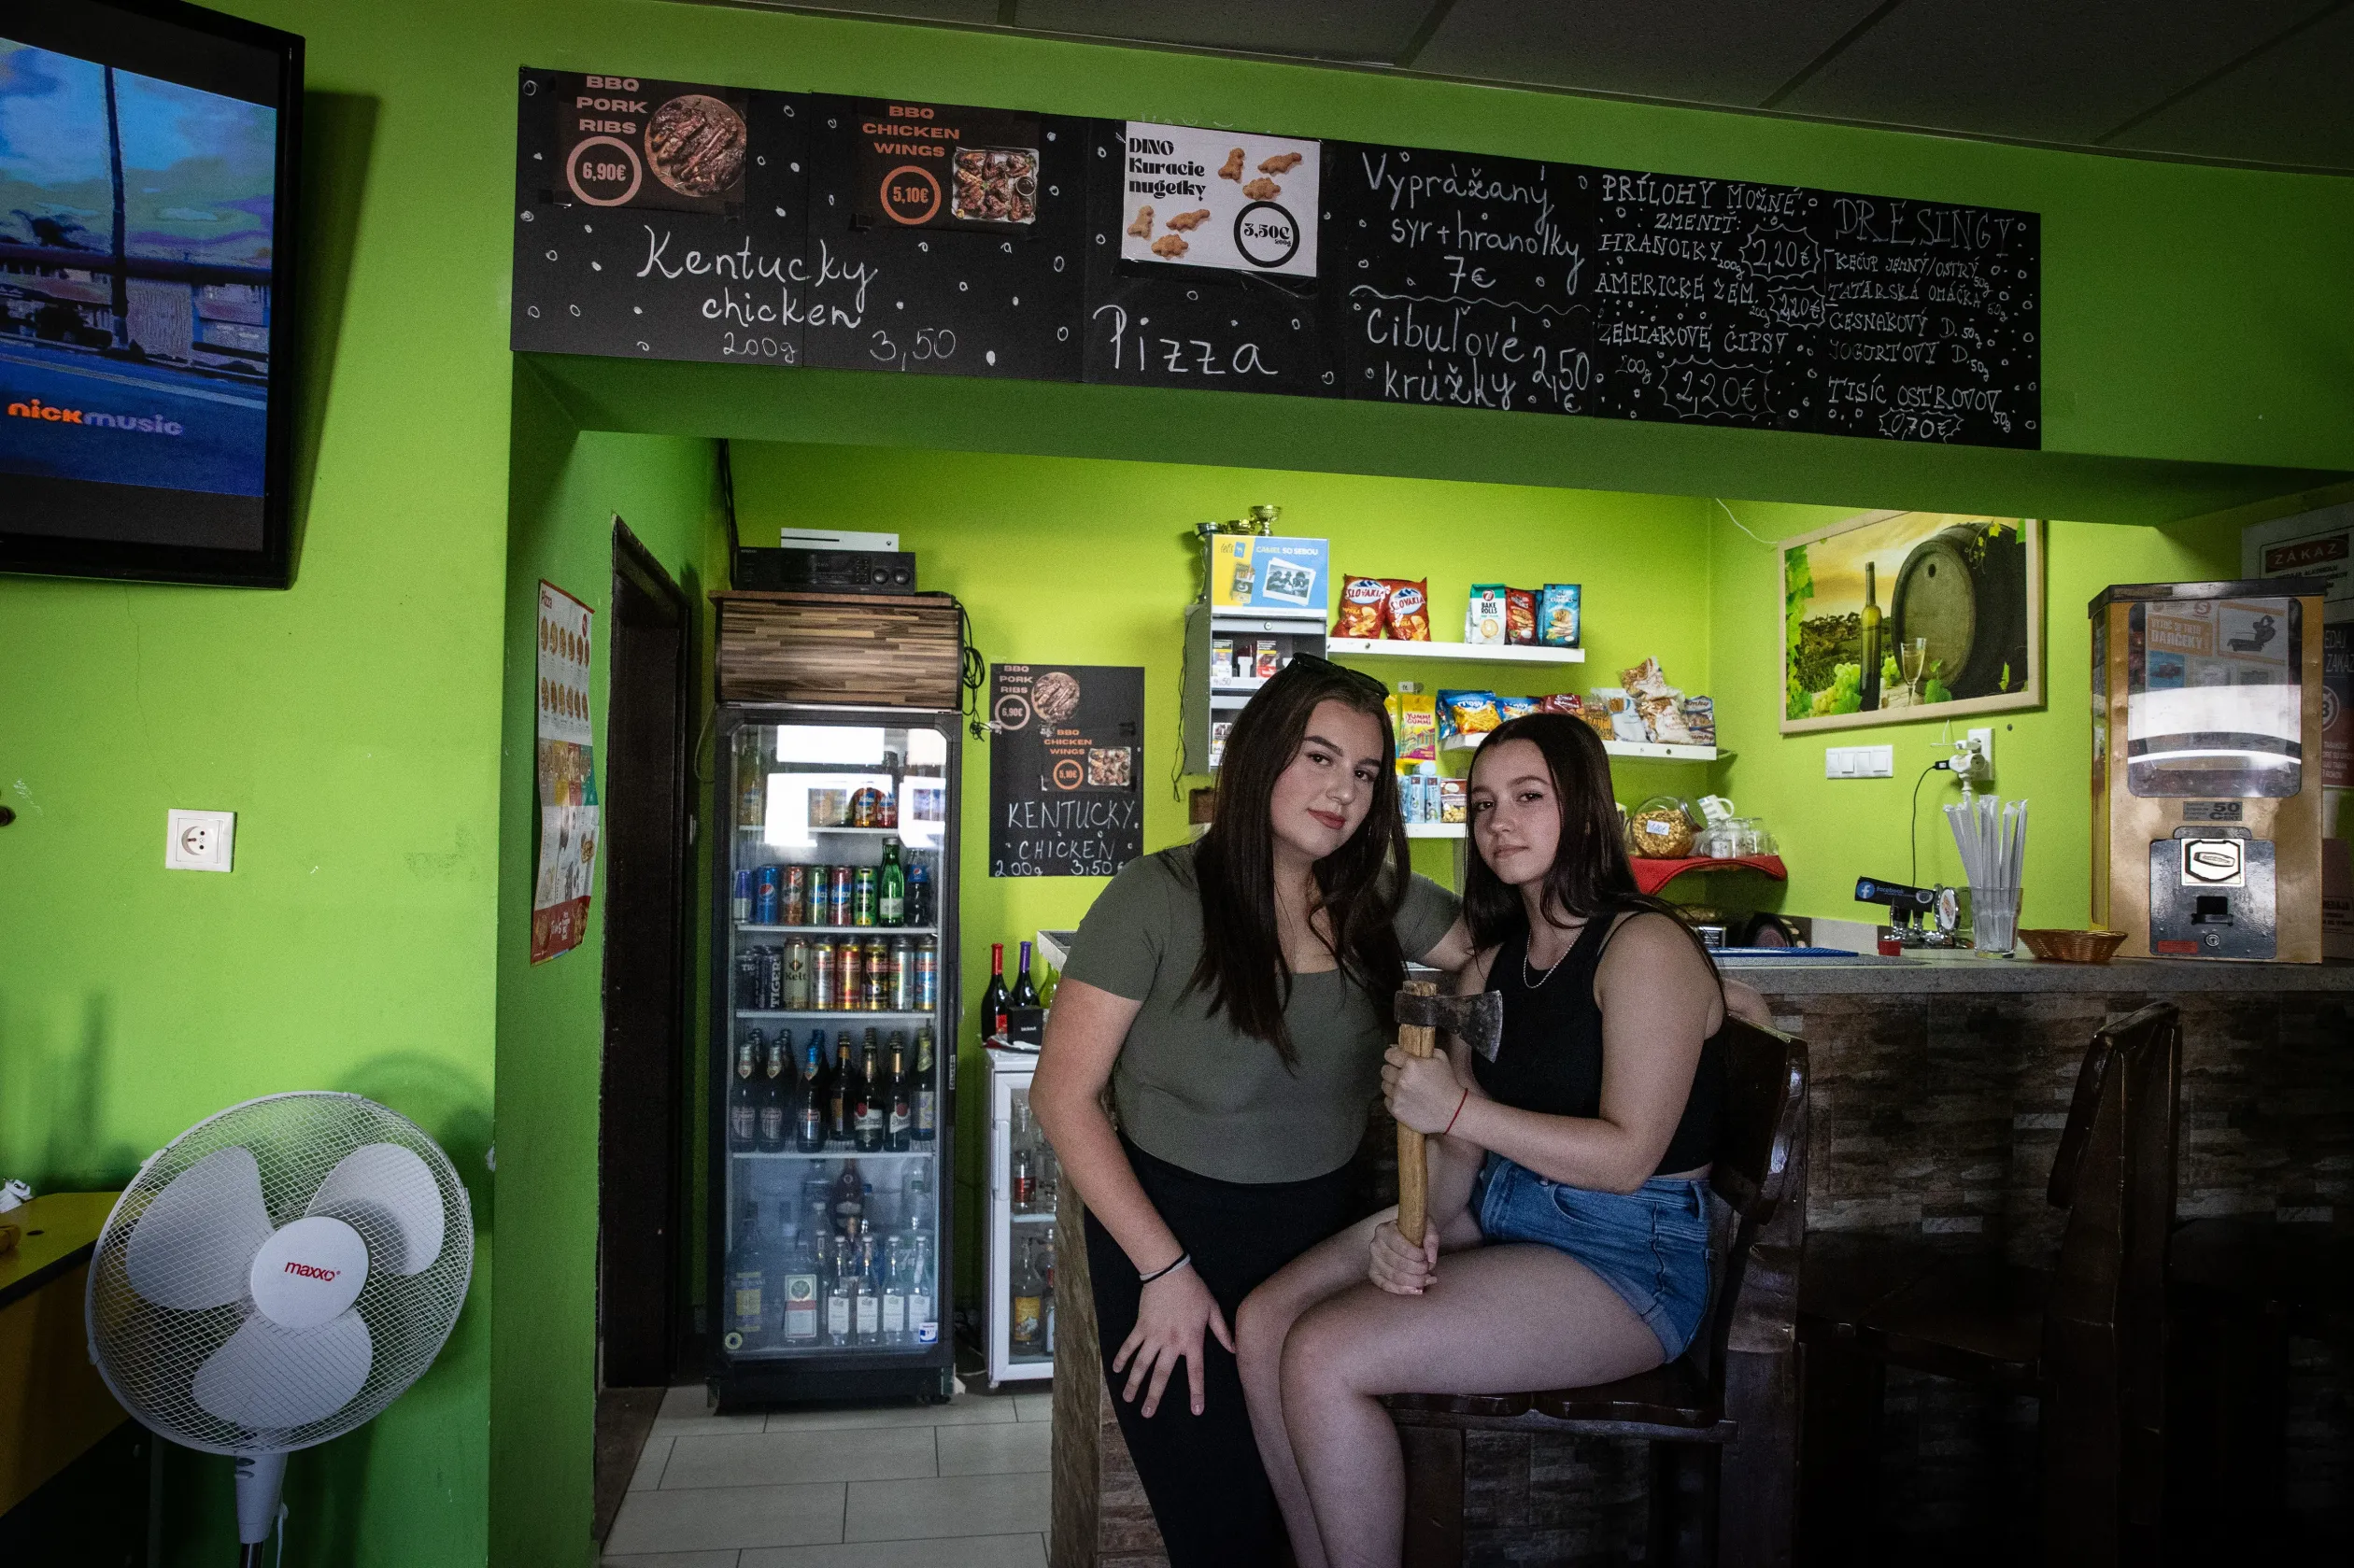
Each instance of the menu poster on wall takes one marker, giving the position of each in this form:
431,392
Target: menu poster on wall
1065,785
1460,279
946,240
1166,321
1228,199
567,775
659,219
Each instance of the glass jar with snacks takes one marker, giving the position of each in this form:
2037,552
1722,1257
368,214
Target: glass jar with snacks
1662,828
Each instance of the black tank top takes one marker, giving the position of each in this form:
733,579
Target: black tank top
1550,1060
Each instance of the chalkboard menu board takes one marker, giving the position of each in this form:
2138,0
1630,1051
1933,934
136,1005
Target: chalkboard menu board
658,219
673,220
1459,280
946,240
1066,777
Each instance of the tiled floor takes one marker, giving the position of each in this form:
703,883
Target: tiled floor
961,1485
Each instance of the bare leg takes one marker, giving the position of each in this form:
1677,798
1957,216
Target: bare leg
1499,1319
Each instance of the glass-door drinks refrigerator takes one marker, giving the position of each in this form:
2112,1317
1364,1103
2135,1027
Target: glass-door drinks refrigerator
833,1022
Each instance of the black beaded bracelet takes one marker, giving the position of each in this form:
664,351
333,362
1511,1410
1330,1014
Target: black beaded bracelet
1183,1259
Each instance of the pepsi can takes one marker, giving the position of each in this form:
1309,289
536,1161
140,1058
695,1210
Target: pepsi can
766,885
740,904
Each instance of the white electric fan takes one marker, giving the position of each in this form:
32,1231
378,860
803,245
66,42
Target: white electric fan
273,1277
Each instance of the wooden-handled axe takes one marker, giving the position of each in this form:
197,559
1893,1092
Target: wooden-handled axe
1421,1012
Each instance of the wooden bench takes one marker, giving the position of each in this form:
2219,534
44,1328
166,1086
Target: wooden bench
1722,1418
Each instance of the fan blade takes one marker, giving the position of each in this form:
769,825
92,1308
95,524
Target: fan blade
271,1378
192,1247
388,1196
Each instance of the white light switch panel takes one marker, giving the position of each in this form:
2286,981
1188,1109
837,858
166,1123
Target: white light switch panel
199,841
1859,762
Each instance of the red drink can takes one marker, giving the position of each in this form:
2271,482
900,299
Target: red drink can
796,900
837,882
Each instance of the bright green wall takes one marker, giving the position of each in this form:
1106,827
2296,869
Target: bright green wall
568,488
2195,318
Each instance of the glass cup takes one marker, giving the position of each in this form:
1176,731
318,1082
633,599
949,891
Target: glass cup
1994,919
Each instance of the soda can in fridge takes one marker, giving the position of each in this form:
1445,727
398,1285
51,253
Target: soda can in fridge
927,975
796,901
825,982
740,899
838,895
766,885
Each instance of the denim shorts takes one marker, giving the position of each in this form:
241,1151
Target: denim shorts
1650,1245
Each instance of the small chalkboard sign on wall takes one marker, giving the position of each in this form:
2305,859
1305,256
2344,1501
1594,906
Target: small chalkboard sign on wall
1066,776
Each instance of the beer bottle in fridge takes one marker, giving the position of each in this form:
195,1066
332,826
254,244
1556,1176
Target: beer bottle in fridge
774,1082
871,1112
838,1123
927,1098
809,1126
993,1019
898,1125
743,1105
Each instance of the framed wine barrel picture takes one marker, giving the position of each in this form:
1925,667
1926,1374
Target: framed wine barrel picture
1897,615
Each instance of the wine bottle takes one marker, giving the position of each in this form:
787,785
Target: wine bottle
993,1001
1871,640
1025,994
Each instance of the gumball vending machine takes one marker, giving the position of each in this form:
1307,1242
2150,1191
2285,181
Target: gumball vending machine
2206,777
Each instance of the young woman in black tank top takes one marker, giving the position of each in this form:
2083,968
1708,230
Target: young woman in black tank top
1566,1191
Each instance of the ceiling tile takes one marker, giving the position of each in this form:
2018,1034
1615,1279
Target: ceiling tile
1319,29
1711,51
2287,106
2034,69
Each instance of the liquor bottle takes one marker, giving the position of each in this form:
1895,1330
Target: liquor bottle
797,1283
923,1323
1027,1330
926,1108
891,891
841,1293
1022,1163
809,1121
993,1002
748,1285
774,1083
1025,994
867,1305
916,1197
1871,640
895,1257
849,1199
919,891
1047,1289
873,1113
743,1105
839,1123
900,1121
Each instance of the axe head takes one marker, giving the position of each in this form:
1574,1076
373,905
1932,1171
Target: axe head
1478,1020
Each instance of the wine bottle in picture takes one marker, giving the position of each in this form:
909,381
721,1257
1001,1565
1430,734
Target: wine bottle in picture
993,1001
891,894
1025,994
1871,640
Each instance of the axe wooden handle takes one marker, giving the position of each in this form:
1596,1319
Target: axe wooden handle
1413,1168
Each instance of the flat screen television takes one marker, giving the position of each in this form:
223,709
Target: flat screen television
147,158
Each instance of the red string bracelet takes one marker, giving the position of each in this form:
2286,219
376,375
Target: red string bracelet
1458,1110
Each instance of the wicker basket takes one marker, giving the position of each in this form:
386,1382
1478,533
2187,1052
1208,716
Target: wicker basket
2072,947
857,649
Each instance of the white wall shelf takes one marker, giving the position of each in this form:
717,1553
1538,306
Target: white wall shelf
1516,653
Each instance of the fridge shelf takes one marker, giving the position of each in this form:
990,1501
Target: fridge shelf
839,930
847,1015
835,1151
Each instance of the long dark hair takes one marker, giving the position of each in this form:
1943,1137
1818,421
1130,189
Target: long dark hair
1591,878
1361,884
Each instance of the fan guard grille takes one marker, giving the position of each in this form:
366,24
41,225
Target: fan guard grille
149,1354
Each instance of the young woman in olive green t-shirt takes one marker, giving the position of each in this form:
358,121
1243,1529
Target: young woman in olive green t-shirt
1233,996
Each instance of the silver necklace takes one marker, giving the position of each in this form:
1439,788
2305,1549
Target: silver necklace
1538,982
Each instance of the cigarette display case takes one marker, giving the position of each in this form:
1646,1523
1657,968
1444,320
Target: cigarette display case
831,1111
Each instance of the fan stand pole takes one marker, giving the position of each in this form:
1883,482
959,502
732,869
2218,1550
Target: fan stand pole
260,1478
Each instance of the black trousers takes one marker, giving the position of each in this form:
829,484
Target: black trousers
1201,1474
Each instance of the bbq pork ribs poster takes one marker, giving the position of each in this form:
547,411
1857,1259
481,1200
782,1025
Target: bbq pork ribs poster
1066,793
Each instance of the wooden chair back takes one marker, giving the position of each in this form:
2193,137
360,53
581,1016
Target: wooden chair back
2104,1320
1760,1174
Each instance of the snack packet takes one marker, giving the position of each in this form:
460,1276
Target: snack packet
1362,602
1514,707
1699,717
1645,680
1454,800
1662,719
1483,616
1467,713
1557,616
1408,613
1561,702
1520,616
1417,727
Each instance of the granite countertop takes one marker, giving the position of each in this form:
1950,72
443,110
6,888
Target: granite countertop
1965,973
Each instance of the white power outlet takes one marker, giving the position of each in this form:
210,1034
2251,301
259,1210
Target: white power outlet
199,841
1981,746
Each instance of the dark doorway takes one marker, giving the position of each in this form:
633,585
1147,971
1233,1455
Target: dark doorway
641,1212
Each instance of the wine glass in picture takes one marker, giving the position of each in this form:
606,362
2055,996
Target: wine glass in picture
1912,658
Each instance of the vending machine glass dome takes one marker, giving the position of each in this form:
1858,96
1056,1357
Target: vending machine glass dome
2213,698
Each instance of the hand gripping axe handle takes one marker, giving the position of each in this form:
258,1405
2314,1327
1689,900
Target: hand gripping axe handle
1421,1012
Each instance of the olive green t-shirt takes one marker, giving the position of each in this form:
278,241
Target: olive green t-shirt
1193,1090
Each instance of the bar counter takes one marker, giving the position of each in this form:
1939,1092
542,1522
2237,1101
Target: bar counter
1939,1086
